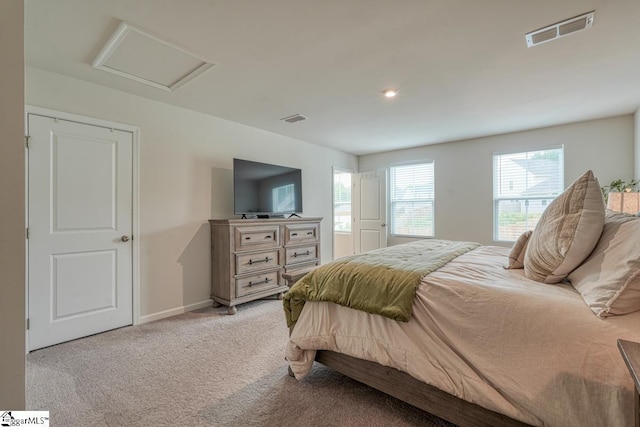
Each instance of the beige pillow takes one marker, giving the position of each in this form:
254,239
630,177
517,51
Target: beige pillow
516,256
567,232
609,280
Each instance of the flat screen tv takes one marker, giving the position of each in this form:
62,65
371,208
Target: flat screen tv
266,190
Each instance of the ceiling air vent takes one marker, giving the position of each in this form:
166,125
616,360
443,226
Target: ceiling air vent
561,29
294,118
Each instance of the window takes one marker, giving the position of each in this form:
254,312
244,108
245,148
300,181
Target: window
523,185
342,202
412,194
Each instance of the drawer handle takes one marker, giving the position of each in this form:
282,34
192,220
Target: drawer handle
267,280
266,259
249,237
294,234
309,233
295,254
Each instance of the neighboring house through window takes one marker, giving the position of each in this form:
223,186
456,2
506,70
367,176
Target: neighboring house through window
412,198
523,185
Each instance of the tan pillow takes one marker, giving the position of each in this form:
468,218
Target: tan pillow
609,280
516,256
567,232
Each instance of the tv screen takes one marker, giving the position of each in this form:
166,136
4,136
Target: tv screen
263,189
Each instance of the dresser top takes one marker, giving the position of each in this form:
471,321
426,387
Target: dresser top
250,221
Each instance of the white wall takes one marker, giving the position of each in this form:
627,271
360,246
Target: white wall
183,156
12,231
463,169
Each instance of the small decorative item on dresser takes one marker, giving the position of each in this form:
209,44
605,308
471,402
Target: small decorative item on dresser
626,201
631,354
621,196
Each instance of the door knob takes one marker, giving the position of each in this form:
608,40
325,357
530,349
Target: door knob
383,224
124,238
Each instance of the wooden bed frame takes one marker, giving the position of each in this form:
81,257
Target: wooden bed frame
408,389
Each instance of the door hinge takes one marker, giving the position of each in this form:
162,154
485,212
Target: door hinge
26,141
27,232
28,324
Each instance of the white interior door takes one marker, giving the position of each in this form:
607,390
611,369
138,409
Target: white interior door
80,226
370,211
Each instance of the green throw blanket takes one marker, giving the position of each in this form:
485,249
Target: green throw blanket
383,281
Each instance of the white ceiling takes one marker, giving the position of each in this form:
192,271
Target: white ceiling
462,66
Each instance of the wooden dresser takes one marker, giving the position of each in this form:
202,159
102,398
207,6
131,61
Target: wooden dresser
249,256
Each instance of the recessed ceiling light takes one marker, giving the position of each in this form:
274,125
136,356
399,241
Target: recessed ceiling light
390,93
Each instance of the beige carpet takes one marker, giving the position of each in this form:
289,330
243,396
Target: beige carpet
203,368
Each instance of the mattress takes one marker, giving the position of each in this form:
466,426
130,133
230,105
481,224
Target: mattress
532,351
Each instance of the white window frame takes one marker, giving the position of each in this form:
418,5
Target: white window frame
496,181
349,230
392,202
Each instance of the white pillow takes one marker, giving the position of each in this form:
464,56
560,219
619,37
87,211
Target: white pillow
567,231
516,256
609,280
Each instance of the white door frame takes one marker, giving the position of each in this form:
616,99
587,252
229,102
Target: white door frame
135,131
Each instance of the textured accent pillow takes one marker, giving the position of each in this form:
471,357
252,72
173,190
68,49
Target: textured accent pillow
609,280
516,256
567,231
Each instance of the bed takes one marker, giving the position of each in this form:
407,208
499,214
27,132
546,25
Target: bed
489,345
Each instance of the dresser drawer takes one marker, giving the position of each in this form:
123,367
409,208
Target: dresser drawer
296,271
300,233
257,237
257,261
301,254
256,283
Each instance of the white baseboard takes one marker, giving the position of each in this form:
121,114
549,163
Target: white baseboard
174,311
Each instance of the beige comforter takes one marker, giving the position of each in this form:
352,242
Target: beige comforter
534,352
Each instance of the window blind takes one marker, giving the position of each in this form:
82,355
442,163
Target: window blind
524,184
342,201
412,198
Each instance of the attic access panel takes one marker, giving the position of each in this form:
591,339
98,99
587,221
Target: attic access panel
137,55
